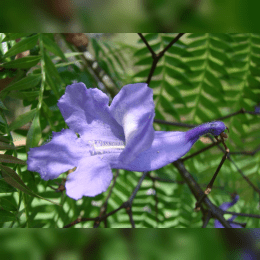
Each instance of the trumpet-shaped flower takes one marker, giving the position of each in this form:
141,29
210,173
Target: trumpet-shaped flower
119,136
225,206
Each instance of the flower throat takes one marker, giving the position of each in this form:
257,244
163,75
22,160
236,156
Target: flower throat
101,147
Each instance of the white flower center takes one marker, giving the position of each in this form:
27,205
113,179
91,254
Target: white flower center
101,147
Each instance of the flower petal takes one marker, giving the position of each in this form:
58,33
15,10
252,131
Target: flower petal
215,128
59,155
166,148
217,224
92,177
133,108
227,205
86,112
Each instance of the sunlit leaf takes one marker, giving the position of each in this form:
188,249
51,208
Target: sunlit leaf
12,178
21,46
22,63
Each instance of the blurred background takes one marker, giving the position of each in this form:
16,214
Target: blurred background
127,244
129,16
121,244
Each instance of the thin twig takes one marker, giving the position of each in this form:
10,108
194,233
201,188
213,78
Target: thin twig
155,197
241,111
197,192
252,153
170,44
126,205
206,220
130,214
164,180
163,122
137,187
147,44
200,151
103,208
242,214
210,185
156,57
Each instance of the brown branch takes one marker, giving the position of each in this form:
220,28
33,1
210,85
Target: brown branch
197,192
242,214
155,197
252,153
200,151
164,180
130,214
93,67
137,187
147,44
210,185
126,205
163,122
156,57
170,44
103,208
241,111
206,219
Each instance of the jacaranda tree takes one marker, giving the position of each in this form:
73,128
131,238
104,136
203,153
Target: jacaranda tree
163,132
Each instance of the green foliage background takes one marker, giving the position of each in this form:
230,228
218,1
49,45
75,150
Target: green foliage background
199,79
129,16
109,244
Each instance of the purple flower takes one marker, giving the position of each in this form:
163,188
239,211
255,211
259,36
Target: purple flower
118,136
225,206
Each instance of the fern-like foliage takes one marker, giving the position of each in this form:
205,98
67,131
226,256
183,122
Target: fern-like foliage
201,78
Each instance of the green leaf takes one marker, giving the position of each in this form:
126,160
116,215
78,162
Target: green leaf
145,72
22,63
63,64
179,51
144,61
144,50
52,46
209,105
7,205
177,75
34,134
196,63
203,117
197,43
177,63
149,37
24,95
12,178
52,85
51,70
10,159
6,216
22,120
25,83
5,187
221,45
169,107
21,46
14,36
69,55
213,80
96,47
3,139
174,92
2,106
213,92
196,35
218,68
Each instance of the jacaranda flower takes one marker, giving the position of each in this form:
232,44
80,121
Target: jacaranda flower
225,206
118,136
